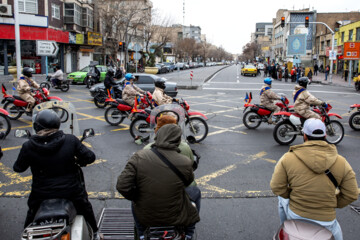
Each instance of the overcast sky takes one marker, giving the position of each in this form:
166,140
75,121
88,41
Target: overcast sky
229,23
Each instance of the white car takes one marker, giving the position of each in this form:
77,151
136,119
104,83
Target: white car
260,66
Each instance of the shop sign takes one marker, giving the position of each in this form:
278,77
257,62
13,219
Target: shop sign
328,49
94,39
352,50
72,37
339,50
79,38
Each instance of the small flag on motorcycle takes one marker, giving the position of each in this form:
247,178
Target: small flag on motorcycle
247,98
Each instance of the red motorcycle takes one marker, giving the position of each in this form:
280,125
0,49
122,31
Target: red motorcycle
286,130
119,109
195,123
5,125
354,120
258,114
16,106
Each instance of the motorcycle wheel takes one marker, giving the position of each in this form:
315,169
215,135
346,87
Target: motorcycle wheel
136,126
65,87
5,125
89,83
197,127
248,120
14,111
280,131
114,116
354,121
334,132
45,85
99,102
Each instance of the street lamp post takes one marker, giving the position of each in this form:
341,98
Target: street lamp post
17,39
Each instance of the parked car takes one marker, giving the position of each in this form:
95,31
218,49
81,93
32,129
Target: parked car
145,82
181,65
171,66
201,64
192,65
162,68
79,76
261,66
250,70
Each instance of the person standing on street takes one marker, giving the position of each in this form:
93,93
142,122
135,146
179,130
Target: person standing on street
312,180
327,70
265,70
316,69
286,73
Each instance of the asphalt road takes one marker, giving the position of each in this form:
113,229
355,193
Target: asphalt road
235,168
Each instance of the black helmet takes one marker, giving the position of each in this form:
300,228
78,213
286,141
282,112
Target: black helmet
46,119
160,83
27,72
303,81
110,71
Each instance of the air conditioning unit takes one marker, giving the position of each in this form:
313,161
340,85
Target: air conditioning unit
5,10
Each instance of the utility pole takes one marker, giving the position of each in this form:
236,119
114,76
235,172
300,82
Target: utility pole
17,39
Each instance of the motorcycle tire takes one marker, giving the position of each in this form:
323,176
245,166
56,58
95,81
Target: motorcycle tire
281,129
354,121
14,111
5,125
99,102
114,116
250,115
65,87
85,80
89,83
334,132
196,127
134,128
45,85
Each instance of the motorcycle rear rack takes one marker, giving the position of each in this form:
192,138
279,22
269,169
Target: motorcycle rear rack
37,232
116,223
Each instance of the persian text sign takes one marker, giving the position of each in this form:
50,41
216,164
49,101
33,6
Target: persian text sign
94,39
351,50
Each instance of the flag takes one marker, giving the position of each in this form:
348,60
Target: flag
246,100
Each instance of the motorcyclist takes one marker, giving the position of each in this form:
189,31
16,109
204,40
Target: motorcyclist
57,77
24,88
52,157
158,194
303,99
267,97
159,95
119,73
110,83
130,90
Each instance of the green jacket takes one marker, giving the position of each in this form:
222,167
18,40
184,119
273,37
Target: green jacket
158,194
300,176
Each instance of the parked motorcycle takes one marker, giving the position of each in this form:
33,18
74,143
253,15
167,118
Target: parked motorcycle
63,85
119,109
302,230
57,218
258,114
286,130
16,106
5,125
354,120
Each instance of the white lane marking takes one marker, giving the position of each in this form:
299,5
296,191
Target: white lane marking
213,77
290,90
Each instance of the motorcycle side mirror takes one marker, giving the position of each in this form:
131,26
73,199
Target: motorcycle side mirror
88,133
191,139
22,133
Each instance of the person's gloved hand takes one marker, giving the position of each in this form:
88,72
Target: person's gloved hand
324,104
175,100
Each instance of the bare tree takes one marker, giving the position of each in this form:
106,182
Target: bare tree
251,50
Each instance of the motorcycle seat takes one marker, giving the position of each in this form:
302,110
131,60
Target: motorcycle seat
18,97
122,102
55,209
260,106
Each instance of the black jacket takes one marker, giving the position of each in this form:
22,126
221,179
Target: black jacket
52,163
109,82
118,74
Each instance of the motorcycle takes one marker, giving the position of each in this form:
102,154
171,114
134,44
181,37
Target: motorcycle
5,125
119,109
101,95
57,218
63,85
16,106
258,114
302,230
354,120
286,130
93,76
357,82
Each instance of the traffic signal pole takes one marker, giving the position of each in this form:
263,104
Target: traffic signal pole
332,45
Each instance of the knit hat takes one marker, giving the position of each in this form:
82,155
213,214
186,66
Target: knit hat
163,120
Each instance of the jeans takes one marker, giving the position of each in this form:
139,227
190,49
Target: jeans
326,75
195,196
285,213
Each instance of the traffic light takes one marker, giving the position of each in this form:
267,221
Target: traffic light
122,46
307,21
282,22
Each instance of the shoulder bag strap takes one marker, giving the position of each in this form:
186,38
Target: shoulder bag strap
172,167
332,178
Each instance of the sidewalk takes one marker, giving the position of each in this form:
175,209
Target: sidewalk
336,80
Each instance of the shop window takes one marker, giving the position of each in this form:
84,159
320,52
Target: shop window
328,43
358,33
28,6
55,11
351,34
87,16
342,36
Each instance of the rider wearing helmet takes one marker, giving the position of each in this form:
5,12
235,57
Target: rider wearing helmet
131,90
303,99
52,157
109,81
159,95
24,88
267,97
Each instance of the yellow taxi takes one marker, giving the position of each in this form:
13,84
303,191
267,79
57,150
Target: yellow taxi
250,70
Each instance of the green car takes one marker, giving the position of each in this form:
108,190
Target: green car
80,76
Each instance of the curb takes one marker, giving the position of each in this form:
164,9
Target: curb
208,78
